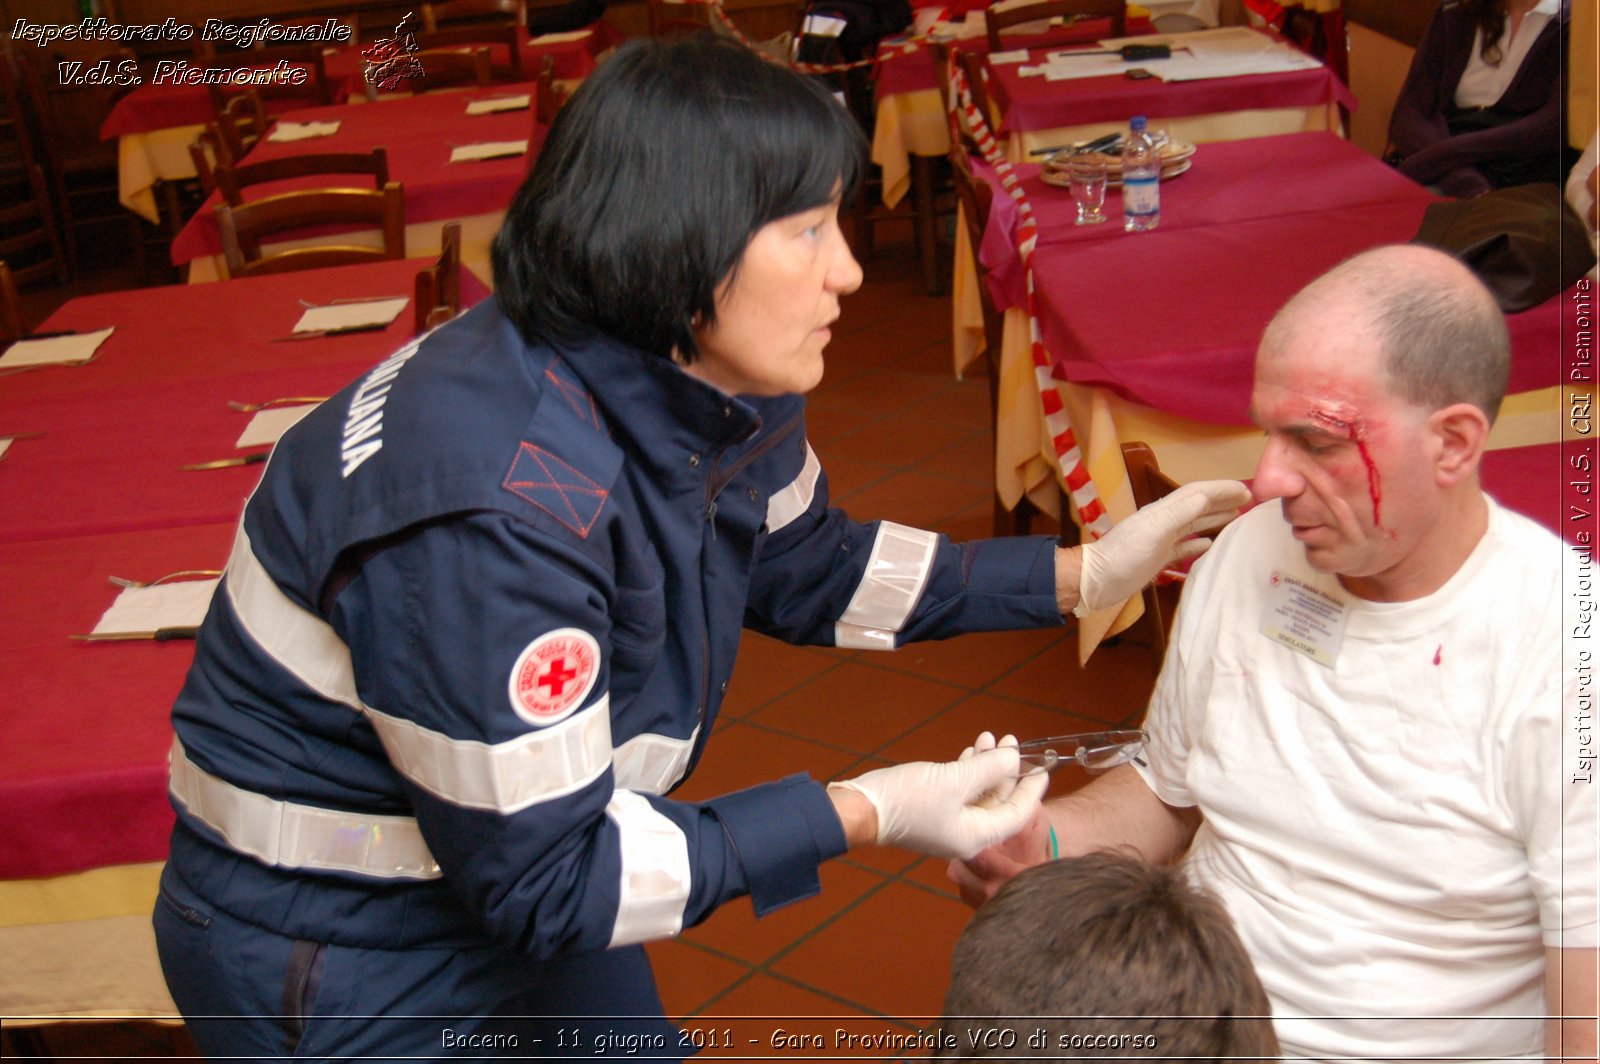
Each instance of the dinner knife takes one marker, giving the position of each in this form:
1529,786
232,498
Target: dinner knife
225,463
160,635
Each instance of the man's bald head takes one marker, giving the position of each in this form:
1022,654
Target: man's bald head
1439,332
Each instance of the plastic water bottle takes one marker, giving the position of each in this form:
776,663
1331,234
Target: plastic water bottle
1141,179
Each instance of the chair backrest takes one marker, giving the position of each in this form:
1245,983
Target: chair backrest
12,326
232,178
996,21
28,230
243,228
313,91
443,67
438,15
546,101
667,17
241,121
459,36
1148,484
975,67
438,289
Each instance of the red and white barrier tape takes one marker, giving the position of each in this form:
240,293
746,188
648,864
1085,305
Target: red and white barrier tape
1073,470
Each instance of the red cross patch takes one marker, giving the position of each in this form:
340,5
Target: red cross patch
553,675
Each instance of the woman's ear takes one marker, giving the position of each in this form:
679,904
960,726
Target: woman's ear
1461,431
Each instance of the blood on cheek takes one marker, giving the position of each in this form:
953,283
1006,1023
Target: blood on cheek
1347,423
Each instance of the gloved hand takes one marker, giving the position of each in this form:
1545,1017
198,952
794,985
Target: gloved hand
1117,566
952,808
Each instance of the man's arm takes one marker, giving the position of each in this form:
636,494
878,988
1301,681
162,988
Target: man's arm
1116,811
1570,991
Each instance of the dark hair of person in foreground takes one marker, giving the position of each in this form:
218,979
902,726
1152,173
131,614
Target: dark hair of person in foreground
1107,957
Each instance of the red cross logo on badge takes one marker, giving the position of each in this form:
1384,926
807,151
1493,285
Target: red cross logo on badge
553,675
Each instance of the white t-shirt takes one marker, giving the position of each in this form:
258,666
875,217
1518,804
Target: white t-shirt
1387,831
1481,84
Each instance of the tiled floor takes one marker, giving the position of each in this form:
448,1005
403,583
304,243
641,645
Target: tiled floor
900,438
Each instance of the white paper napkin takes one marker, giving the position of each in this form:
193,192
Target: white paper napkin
560,38
499,103
267,425
5,445
54,350
1018,55
181,604
493,149
286,132
338,317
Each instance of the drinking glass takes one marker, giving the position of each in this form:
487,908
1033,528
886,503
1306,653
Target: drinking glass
1086,175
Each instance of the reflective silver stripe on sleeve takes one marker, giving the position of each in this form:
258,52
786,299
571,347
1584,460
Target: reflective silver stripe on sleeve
789,503
502,777
655,871
300,641
896,573
290,835
652,763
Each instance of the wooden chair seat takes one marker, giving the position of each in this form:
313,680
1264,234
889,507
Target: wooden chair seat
438,287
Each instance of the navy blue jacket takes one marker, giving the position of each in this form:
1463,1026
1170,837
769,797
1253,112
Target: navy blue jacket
478,621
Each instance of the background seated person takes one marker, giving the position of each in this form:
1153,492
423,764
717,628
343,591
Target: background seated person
1481,106
1107,957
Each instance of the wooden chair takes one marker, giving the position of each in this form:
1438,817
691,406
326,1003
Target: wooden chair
1149,483
232,178
975,67
241,121
997,21
12,327
438,290
313,92
667,17
507,35
29,236
63,121
447,67
447,12
244,226
546,100
975,197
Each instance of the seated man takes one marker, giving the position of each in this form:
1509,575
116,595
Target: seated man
1101,956
1364,734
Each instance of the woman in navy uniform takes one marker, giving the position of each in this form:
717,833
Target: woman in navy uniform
481,611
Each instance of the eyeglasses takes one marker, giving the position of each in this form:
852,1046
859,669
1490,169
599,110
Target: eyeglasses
1095,751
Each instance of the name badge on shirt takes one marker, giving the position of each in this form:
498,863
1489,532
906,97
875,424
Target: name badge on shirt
1303,618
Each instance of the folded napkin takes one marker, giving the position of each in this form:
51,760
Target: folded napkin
496,149
499,103
345,317
287,132
267,425
54,350
181,604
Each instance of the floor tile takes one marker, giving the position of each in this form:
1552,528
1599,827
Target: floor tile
944,737
689,976
858,707
1113,687
741,756
891,954
974,660
735,930
769,1017
768,668
907,442
918,499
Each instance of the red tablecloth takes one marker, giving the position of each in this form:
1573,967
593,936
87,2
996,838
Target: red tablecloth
418,132
1029,104
905,66
100,494
1229,181
152,106
1171,318
87,725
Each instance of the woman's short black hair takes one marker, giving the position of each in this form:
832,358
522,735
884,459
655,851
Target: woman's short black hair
653,179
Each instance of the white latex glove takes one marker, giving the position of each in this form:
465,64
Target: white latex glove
1117,566
952,808
996,795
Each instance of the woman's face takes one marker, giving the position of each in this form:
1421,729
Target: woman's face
773,314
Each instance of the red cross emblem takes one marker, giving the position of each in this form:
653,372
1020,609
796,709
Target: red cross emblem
554,675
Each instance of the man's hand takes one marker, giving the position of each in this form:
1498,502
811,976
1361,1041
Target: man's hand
1113,569
981,876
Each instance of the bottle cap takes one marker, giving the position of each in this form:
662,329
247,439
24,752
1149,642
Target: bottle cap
1137,123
